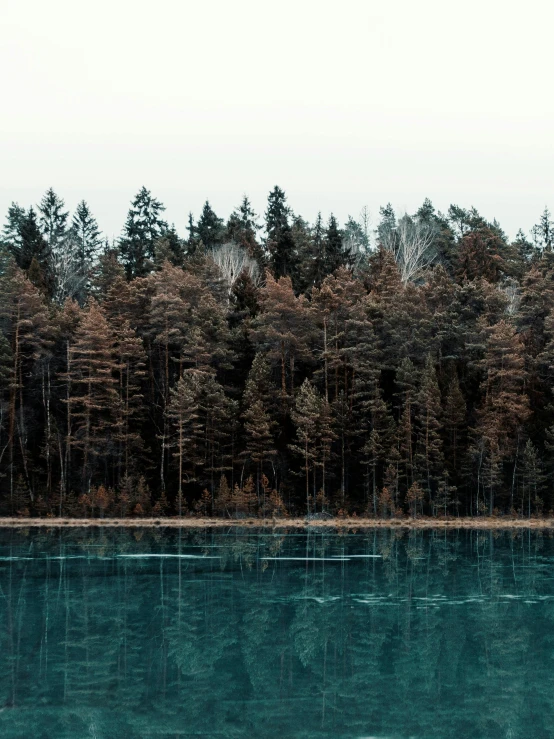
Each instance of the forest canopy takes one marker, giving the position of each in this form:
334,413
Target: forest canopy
264,364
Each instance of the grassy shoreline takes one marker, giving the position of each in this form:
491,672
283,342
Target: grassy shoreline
285,523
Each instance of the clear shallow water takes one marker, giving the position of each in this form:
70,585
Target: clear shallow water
381,635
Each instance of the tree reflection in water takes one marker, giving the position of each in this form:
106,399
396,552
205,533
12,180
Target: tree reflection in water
238,633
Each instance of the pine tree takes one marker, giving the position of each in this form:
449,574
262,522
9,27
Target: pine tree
355,240
130,369
281,330
334,252
258,424
68,321
242,228
526,250
11,234
454,418
344,348
386,230
406,381
34,246
183,413
483,254
218,414
25,326
203,417
316,265
280,244
543,231
304,248
88,245
326,436
532,480
504,408
429,458
144,226
107,272
94,401
222,499
53,219
305,417
169,247
186,328
209,229
415,498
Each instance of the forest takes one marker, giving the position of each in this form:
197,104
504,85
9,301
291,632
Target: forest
268,366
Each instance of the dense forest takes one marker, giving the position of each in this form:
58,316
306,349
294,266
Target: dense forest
266,365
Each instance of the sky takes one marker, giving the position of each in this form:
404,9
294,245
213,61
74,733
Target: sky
342,104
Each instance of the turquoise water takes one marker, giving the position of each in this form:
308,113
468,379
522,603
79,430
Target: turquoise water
233,633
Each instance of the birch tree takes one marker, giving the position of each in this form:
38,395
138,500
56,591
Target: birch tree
233,261
411,243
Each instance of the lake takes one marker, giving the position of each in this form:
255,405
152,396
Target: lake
382,634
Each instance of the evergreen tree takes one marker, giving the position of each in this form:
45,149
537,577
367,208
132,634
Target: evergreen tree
280,245
386,230
305,417
53,219
11,233
169,247
144,226
33,245
281,329
316,257
94,401
335,255
193,241
503,412
355,240
183,413
484,254
209,229
429,457
259,403
454,420
543,231
304,248
532,481
130,369
526,250
25,325
242,228
406,381
87,235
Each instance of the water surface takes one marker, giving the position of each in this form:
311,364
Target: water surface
235,633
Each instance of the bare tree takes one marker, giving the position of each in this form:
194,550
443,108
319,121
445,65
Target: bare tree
365,222
511,290
69,275
411,242
232,260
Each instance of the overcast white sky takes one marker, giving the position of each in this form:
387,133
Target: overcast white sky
343,104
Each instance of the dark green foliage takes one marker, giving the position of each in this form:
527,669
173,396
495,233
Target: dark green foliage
342,378
209,229
543,231
33,244
143,228
87,234
11,234
53,219
242,228
280,245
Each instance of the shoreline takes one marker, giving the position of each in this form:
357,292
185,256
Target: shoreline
283,523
